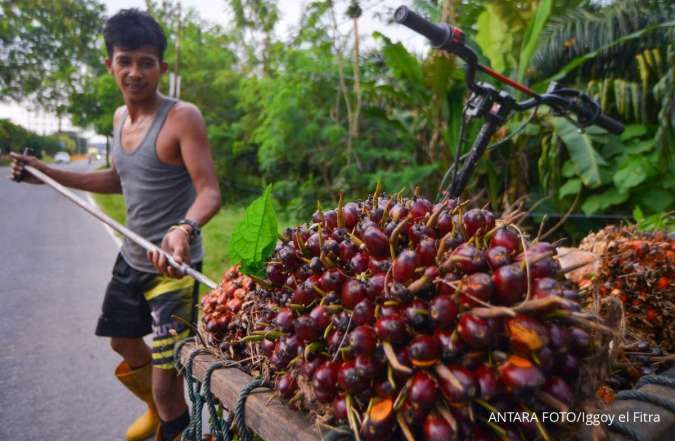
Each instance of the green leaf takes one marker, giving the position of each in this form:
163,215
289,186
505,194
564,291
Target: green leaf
568,169
402,63
253,239
493,37
586,160
571,187
656,199
637,214
599,202
532,35
631,174
633,131
640,147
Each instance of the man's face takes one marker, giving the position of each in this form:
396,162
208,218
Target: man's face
137,72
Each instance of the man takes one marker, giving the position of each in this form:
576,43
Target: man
162,164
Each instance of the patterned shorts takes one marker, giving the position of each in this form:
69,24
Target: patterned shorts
137,303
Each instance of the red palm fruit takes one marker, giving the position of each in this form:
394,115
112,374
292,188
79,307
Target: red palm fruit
340,408
444,287
581,341
375,285
546,286
423,390
508,238
346,250
498,256
291,282
275,274
475,331
379,265
559,338
450,343
351,214
363,340
331,248
477,220
308,367
443,311
330,220
391,328
455,240
510,284
313,244
290,346
367,366
284,319
404,266
567,365
340,234
286,385
437,429
363,226
289,259
468,259
423,350
388,310
349,379
417,314
478,285
267,347
379,425
331,280
303,294
359,263
384,389
364,312
526,333
323,396
518,374
559,389
305,329
457,383
426,251
353,291
321,317
444,223
419,232
420,207
376,241
334,340
543,267
325,377
487,382
398,212
414,415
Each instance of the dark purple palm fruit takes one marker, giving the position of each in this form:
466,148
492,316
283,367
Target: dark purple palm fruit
450,343
351,215
475,331
359,263
330,220
443,311
364,312
368,366
420,231
398,212
335,339
477,221
468,259
363,340
420,208
313,244
435,428
487,382
391,328
559,338
519,374
379,265
417,315
508,238
324,381
404,266
444,223
321,317
340,409
353,291
331,248
498,256
477,286
289,259
275,274
424,351
304,294
331,280
350,379
540,260
305,329
284,319
560,390
510,284
375,285
423,390
544,287
426,251
346,250
286,385
457,383
376,242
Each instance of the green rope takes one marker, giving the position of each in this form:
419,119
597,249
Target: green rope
240,408
220,426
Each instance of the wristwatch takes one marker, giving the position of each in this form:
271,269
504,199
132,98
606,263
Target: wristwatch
194,228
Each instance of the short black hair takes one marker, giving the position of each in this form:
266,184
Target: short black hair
131,29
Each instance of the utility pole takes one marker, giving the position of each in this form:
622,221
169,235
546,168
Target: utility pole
175,89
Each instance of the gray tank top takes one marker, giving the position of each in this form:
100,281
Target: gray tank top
157,195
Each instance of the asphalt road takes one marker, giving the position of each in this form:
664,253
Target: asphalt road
56,377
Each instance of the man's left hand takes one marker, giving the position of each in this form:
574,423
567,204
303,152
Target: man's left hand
175,243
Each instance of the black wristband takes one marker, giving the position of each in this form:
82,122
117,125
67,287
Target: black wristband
194,228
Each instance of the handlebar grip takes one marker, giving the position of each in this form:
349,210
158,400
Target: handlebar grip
436,34
608,123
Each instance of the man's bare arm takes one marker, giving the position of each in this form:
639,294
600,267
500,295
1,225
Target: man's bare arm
100,181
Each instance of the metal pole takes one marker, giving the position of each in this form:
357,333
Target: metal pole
146,244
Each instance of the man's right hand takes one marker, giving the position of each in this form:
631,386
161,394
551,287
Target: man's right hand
18,171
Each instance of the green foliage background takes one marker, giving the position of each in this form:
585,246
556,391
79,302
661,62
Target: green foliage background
298,112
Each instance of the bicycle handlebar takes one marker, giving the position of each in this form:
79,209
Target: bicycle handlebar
451,39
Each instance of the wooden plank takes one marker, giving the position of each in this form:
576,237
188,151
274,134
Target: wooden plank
270,419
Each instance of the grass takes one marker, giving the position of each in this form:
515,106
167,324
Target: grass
216,233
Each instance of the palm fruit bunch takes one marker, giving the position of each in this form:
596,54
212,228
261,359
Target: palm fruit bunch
407,319
638,268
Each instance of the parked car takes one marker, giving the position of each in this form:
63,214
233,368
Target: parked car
62,158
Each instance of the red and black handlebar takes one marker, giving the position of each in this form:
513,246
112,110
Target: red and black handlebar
451,39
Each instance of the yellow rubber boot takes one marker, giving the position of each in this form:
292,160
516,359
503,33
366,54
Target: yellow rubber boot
139,382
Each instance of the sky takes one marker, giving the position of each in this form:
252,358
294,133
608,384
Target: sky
217,11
